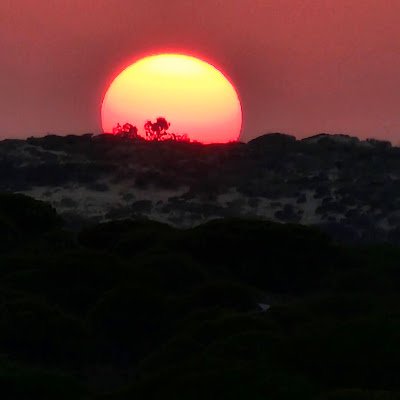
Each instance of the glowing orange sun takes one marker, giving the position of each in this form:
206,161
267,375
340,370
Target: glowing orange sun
194,96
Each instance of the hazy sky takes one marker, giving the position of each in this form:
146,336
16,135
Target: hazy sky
300,66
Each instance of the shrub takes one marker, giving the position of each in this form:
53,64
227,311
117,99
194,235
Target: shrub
26,215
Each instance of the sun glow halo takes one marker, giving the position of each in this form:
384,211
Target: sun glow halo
190,93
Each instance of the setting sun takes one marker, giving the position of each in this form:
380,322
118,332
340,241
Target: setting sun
194,96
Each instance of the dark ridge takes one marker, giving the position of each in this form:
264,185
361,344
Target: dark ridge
347,186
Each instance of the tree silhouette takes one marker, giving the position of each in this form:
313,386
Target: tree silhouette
157,131
127,131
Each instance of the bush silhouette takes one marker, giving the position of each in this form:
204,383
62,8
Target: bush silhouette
229,244
26,215
74,281
126,236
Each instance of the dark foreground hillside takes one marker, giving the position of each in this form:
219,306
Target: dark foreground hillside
345,186
231,309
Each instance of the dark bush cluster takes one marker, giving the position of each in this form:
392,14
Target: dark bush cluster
154,131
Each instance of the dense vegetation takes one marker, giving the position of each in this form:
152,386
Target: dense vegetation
347,187
140,310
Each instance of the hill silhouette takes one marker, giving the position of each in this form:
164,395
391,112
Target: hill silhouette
345,186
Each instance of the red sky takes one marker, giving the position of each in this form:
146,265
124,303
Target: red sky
300,66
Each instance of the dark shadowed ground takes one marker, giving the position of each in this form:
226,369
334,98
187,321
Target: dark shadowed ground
231,309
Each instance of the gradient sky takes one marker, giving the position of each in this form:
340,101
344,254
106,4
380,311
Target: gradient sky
300,66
